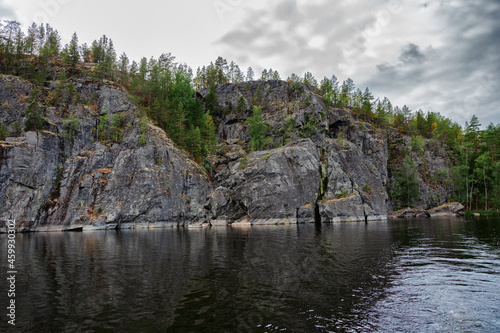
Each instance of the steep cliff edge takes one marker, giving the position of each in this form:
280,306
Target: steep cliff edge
55,179
319,163
348,161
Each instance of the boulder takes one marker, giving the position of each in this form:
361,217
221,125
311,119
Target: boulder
449,209
273,185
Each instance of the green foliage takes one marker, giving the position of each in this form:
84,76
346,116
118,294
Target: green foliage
65,92
309,129
243,162
295,89
217,73
116,128
71,127
166,91
34,113
310,80
241,106
366,104
110,128
4,132
58,177
441,176
329,98
257,97
193,141
143,126
367,188
343,194
482,213
102,129
417,145
209,135
308,100
16,129
405,189
287,129
268,143
211,99
257,129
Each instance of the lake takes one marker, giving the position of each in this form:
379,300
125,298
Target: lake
414,275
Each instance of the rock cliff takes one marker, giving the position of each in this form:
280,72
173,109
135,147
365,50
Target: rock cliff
50,181
320,164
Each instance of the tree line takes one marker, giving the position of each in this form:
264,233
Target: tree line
161,87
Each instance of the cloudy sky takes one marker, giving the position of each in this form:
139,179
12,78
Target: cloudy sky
441,56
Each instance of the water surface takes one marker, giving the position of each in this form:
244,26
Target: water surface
439,275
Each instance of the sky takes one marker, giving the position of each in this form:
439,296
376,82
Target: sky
440,56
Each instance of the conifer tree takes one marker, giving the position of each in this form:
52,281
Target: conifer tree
211,100
257,129
123,67
405,189
34,113
250,74
73,54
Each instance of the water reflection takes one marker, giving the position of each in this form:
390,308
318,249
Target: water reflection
418,275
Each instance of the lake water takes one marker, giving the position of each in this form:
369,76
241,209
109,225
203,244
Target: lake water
432,275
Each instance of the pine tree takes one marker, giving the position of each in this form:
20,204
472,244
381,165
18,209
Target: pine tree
346,92
276,76
211,100
124,63
326,86
34,113
366,106
264,75
257,129
209,135
32,40
74,55
309,79
250,74
405,189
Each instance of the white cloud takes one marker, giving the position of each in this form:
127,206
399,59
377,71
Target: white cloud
317,42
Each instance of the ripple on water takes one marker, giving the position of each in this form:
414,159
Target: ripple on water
443,289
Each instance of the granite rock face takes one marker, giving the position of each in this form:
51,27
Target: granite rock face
271,186
355,188
51,181
319,163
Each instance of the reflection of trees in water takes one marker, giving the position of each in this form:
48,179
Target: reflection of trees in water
226,279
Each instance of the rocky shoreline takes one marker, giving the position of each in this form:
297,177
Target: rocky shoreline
450,209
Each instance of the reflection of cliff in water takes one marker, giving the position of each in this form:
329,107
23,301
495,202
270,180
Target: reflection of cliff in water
337,276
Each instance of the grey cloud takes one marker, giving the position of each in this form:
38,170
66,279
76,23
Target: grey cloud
385,67
6,12
448,79
287,10
278,26
458,79
411,54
